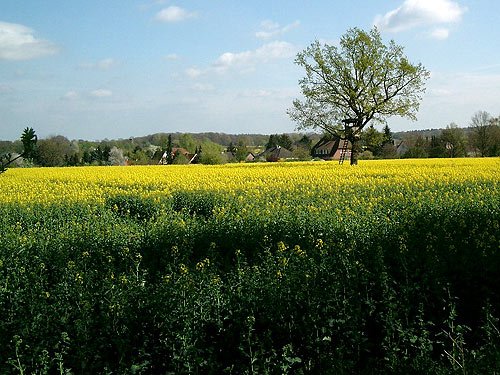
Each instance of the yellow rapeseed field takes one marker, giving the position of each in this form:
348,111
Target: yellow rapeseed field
372,179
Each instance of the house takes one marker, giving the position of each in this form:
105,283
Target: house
179,152
330,149
274,154
402,147
250,157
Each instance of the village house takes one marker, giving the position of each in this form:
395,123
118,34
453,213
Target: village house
273,154
330,149
179,152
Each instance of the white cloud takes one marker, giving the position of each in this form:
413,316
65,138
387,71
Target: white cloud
174,14
440,33
172,57
248,59
260,93
104,64
70,95
17,42
415,13
6,89
203,87
193,72
270,29
101,93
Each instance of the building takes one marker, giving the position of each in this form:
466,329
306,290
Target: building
329,148
179,152
276,153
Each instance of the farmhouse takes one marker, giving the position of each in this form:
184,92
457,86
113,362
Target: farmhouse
179,152
329,148
275,154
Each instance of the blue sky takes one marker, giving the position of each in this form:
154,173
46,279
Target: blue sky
114,69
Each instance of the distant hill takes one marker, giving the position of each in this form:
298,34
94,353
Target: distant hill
425,133
223,139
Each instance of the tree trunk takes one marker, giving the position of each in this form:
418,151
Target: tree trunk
354,138
354,151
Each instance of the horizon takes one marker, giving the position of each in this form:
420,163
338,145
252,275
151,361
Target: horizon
177,133
118,70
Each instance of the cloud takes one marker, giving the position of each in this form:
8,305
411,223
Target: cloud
6,89
101,93
17,42
70,95
193,72
174,14
416,13
270,29
104,64
201,87
172,57
248,59
440,33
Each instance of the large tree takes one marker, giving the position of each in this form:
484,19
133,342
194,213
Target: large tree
53,151
28,139
360,81
485,135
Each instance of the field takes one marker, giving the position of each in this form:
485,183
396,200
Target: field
385,267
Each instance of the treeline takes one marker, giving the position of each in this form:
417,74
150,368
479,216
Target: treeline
453,141
218,148
480,139
60,151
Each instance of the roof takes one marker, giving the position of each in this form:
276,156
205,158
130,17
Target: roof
328,148
180,150
275,153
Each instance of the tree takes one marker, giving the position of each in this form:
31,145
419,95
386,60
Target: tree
169,149
241,151
388,139
304,142
362,80
187,141
282,140
179,158
494,136
388,150
211,153
53,151
418,148
116,156
372,140
454,141
481,137
29,140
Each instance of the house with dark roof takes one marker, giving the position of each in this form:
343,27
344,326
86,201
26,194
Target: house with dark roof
250,157
276,153
329,148
179,152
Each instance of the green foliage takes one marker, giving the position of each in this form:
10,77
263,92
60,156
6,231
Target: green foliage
133,206
195,202
361,80
485,134
282,140
53,151
211,154
29,140
195,283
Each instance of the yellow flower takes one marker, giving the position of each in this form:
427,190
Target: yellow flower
183,269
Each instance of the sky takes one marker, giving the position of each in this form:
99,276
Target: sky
114,69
